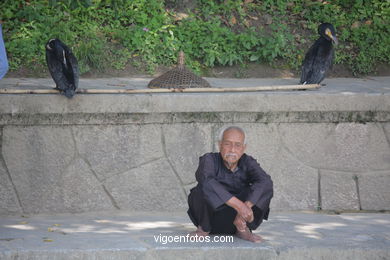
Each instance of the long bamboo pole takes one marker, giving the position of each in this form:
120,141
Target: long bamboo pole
162,90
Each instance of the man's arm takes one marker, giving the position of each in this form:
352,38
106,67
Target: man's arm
214,192
262,185
243,209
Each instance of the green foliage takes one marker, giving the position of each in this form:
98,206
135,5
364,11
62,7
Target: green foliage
109,34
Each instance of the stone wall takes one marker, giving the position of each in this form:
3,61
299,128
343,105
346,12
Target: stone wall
146,167
82,161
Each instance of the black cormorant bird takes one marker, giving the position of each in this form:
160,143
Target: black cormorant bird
63,67
320,56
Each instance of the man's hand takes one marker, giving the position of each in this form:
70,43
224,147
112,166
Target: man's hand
240,223
242,209
249,203
246,213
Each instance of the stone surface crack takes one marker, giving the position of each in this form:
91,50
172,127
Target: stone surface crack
319,199
113,202
132,168
275,156
384,133
3,162
284,145
356,179
170,163
76,150
77,154
212,139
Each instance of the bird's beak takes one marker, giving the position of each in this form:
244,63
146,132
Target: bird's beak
334,38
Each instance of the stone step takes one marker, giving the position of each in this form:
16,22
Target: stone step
126,235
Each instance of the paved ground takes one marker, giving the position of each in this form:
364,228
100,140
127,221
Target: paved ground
127,235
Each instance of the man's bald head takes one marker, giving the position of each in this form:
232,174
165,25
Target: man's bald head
237,128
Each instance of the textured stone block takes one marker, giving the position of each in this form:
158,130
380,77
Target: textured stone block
295,184
9,204
263,143
338,191
112,149
36,158
81,190
339,147
375,190
184,144
150,187
386,128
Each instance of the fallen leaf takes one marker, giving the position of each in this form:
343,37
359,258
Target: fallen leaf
50,229
47,239
181,16
23,223
355,25
233,20
253,17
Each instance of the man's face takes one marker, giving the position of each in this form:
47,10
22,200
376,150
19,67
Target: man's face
232,146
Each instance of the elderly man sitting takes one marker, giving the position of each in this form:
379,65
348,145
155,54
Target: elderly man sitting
233,192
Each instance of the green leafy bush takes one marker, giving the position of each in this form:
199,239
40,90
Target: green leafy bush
109,34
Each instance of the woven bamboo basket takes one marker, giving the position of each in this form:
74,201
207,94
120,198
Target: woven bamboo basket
179,77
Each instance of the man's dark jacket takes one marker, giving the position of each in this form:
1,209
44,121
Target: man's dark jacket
219,184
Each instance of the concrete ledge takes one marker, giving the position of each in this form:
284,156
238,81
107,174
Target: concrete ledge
113,235
324,149
338,95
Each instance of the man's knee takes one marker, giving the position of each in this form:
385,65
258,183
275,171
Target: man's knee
196,199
